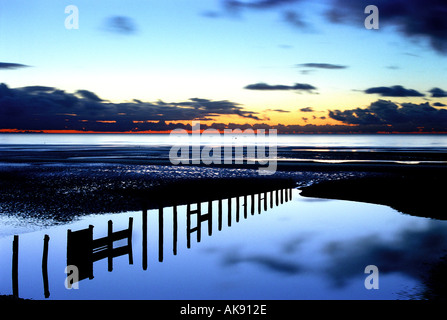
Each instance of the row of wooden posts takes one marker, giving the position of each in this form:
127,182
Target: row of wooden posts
83,250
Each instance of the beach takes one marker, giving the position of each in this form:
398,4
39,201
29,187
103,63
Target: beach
309,229
61,188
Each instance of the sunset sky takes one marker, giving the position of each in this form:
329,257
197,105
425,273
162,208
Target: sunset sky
296,65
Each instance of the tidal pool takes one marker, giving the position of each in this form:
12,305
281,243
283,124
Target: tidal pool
273,245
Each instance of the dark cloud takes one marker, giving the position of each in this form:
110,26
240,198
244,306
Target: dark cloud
295,19
120,24
268,87
439,104
89,95
11,66
277,110
438,93
322,66
256,4
394,91
412,18
410,252
390,116
271,263
47,108
307,109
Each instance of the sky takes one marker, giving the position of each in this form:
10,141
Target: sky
299,66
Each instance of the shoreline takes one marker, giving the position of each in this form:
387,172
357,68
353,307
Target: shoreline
63,190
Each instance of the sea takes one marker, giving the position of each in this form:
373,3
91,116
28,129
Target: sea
408,149
276,245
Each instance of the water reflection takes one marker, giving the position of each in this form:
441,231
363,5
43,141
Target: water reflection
84,249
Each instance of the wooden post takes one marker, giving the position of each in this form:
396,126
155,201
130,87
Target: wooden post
144,244
265,201
15,266
129,240
245,206
253,204
237,208
219,213
175,227
290,194
229,212
188,226
199,222
271,199
160,234
210,217
110,245
46,239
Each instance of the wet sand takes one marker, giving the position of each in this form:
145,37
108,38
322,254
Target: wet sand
62,191
60,183
418,192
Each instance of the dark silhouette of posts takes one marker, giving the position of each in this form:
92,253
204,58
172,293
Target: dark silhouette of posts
252,204
265,201
237,208
83,250
245,206
229,212
110,245
144,244
160,234
46,290
219,215
200,218
15,266
174,231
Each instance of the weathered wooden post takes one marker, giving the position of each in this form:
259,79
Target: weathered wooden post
110,245
15,266
144,244
237,208
245,206
160,234
229,212
252,204
175,227
210,218
46,239
129,240
265,201
219,215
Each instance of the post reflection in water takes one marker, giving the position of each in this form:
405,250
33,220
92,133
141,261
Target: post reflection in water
83,250
195,216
